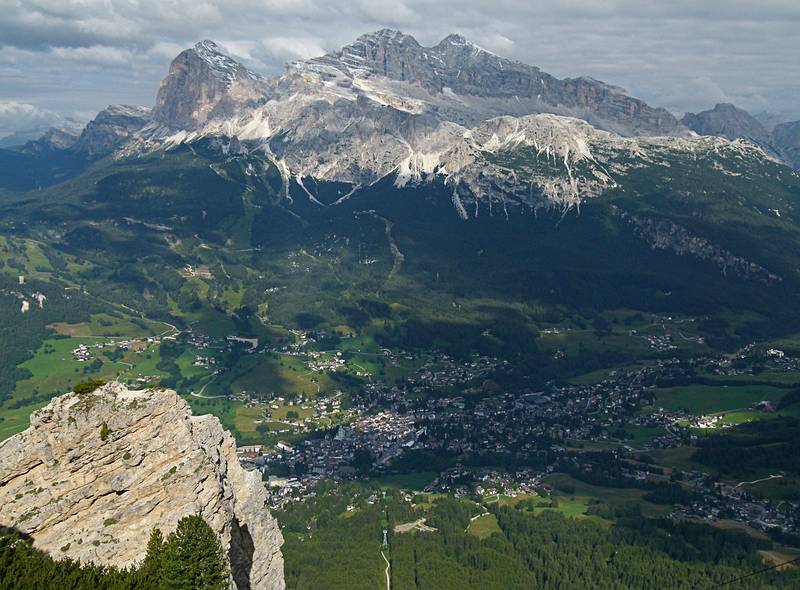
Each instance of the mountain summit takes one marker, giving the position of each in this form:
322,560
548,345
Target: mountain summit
454,80
463,78
199,81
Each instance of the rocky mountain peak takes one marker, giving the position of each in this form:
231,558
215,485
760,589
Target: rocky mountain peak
199,79
787,139
96,472
54,139
388,36
458,42
468,84
222,64
110,128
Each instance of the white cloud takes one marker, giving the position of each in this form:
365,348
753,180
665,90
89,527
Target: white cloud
24,117
291,48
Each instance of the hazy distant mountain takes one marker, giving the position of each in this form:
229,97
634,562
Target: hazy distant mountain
726,120
56,138
787,139
769,120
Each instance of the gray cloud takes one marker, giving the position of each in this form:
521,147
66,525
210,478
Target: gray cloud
71,56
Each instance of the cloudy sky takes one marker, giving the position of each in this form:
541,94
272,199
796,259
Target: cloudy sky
69,58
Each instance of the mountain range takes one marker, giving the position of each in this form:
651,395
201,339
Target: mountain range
290,253
416,136
386,105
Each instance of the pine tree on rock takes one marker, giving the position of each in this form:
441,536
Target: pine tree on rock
193,558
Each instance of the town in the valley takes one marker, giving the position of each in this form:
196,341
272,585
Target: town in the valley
454,408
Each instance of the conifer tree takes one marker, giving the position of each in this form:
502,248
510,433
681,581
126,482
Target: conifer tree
193,558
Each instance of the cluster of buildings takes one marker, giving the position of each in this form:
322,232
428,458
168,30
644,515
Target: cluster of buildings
455,407
321,362
713,501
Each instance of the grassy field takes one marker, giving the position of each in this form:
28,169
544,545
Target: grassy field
16,420
786,378
679,457
484,526
734,418
640,434
779,488
266,375
53,369
406,481
248,417
569,506
107,325
709,399
569,487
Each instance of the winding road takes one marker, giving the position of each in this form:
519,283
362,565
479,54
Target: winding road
388,568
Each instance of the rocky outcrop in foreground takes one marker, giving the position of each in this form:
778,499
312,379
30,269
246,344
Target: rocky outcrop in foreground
96,472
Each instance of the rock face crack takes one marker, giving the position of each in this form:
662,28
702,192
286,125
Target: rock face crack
65,486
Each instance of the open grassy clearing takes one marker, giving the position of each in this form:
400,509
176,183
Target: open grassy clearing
54,370
780,556
679,458
16,420
708,399
565,485
279,374
104,325
641,434
484,526
406,481
779,488
248,417
569,506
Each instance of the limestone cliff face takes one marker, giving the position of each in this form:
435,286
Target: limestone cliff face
203,82
94,473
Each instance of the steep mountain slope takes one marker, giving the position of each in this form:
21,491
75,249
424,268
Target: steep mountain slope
204,83
698,225
382,159
109,129
96,472
56,138
353,115
61,154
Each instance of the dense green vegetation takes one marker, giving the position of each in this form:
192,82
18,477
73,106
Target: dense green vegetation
211,243
334,541
190,558
191,242
754,449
